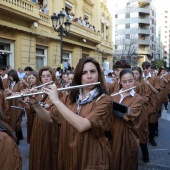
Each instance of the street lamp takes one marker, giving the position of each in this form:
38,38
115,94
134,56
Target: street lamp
57,23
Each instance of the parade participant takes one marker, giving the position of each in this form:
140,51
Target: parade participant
10,156
26,79
84,115
44,137
125,127
4,76
144,91
34,81
152,108
70,78
14,114
117,67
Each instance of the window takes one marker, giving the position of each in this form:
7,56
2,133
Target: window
6,52
127,25
102,29
67,55
107,32
127,36
127,15
41,57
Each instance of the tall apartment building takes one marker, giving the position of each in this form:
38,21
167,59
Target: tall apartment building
163,35
28,38
135,31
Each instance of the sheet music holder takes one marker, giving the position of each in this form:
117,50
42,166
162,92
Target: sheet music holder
120,108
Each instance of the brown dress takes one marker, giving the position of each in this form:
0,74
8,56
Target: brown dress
144,91
10,156
113,87
14,116
125,134
43,144
88,150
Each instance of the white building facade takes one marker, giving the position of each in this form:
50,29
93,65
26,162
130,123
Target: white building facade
135,31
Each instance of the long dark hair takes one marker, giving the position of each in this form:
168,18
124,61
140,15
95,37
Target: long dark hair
35,74
140,72
78,74
14,74
121,64
125,71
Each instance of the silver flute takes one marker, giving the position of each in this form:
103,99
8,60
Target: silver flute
123,91
22,95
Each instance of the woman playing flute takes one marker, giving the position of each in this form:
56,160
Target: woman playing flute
44,137
14,115
125,127
84,116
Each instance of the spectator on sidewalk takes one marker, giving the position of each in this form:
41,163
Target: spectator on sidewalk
21,73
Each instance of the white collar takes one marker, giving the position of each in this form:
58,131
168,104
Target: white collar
145,78
4,77
131,93
87,95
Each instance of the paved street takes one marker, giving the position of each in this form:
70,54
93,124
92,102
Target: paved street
159,156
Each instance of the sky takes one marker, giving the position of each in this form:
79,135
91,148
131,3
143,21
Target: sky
159,4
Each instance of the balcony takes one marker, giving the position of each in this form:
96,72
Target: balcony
144,20
144,10
21,9
143,42
144,31
80,32
143,51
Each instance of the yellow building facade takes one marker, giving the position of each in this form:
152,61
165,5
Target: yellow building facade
28,38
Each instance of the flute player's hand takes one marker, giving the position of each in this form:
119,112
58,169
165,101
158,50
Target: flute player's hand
51,90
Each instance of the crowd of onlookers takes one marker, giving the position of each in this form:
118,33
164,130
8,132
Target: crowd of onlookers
69,15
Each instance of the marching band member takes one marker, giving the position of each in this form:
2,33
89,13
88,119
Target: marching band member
152,108
125,127
117,67
83,115
144,91
14,116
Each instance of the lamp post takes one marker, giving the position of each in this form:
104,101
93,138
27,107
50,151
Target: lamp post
57,23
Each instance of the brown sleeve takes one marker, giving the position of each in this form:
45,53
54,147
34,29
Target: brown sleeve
156,82
101,116
54,113
135,108
9,153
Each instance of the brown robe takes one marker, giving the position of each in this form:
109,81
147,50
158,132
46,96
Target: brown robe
43,144
152,104
144,91
113,87
5,83
14,116
10,156
167,77
125,134
3,102
89,149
